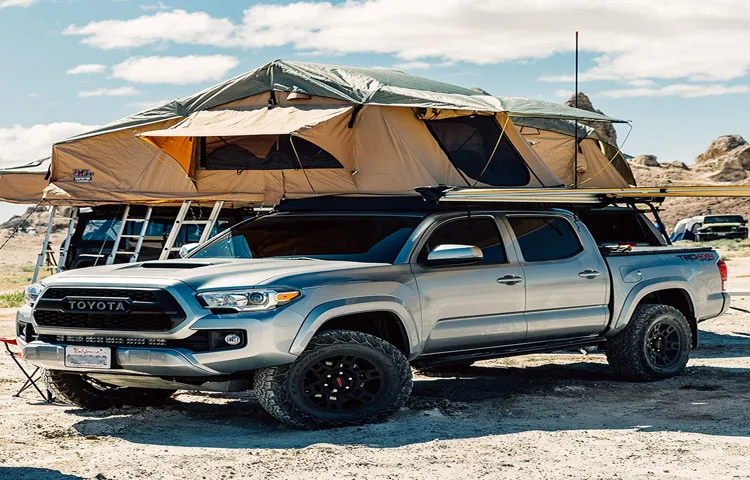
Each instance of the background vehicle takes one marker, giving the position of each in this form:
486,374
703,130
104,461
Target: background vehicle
322,310
704,228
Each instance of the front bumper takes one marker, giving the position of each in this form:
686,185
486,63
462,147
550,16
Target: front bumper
269,336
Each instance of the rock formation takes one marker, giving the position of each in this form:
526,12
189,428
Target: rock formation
605,129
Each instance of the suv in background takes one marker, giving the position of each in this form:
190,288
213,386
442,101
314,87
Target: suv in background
717,227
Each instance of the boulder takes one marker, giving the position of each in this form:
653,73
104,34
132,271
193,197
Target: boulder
645,161
605,129
729,170
675,164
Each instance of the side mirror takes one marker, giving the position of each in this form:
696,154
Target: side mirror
445,255
187,248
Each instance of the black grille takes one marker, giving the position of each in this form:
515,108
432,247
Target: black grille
133,322
135,295
150,310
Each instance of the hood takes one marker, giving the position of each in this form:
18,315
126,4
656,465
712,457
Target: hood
203,274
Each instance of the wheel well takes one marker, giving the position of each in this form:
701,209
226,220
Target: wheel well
385,325
679,299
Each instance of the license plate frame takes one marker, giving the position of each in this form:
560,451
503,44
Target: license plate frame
79,356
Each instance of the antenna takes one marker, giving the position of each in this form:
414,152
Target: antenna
575,104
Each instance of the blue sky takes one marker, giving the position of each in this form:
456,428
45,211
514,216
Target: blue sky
677,68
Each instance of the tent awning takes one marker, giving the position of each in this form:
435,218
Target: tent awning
178,141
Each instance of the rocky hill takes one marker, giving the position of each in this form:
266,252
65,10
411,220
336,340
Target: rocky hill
607,130
726,161
35,224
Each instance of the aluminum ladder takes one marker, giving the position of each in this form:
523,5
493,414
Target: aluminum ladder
46,259
138,237
180,221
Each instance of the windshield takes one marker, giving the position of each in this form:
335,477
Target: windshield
724,219
357,238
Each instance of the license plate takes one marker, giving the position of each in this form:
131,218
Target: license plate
88,357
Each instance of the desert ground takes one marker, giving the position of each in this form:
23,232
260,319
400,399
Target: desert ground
561,415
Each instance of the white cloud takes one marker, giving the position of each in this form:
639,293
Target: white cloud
86,68
148,104
562,93
174,70
157,6
677,90
638,39
24,144
17,3
176,26
109,92
412,66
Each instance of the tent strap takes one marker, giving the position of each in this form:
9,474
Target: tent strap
497,144
291,140
611,160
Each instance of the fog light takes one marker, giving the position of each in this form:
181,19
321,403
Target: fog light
233,339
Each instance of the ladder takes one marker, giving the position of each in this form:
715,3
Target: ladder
46,258
133,254
180,221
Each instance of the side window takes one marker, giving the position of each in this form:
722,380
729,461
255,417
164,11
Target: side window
545,238
479,232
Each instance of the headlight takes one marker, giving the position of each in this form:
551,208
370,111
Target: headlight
32,292
248,300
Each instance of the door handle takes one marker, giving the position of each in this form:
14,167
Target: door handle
589,274
510,279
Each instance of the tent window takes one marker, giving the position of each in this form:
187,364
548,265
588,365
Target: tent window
469,142
265,152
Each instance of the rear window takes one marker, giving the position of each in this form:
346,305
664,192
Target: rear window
471,144
545,238
619,227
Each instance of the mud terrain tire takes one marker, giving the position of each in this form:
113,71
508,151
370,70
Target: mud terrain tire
342,378
654,345
77,389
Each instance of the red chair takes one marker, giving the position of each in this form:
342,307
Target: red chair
32,379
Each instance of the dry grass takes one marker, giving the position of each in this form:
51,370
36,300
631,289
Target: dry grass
15,278
727,248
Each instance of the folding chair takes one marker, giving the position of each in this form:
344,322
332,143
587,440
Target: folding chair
31,379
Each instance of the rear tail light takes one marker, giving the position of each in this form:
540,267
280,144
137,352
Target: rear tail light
723,272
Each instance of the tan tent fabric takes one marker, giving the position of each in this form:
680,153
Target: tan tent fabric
24,183
594,168
388,150
178,141
22,187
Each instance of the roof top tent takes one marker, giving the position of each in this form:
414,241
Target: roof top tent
24,183
291,130
598,163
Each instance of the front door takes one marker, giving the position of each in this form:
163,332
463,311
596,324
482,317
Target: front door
566,284
473,306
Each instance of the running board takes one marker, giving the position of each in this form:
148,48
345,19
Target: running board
430,359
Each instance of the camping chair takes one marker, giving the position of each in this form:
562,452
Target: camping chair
33,379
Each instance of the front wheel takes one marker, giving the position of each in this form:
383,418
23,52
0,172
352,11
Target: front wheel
83,391
342,378
655,344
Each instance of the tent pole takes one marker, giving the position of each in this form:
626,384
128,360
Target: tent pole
575,104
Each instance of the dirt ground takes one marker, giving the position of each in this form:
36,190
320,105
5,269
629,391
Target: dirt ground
561,415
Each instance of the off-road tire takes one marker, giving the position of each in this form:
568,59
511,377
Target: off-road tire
77,389
627,352
278,388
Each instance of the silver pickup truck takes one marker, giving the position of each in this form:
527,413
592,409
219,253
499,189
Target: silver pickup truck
322,312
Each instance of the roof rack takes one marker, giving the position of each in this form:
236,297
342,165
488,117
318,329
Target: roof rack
579,196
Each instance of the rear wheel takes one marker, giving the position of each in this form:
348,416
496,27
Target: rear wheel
342,378
654,345
83,391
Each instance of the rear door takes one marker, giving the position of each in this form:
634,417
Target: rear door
566,285
471,306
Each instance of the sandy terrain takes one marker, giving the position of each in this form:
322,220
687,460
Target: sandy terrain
542,416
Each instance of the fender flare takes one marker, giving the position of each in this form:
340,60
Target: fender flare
339,308
644,288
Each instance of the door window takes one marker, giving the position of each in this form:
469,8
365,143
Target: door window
478,232
545,238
